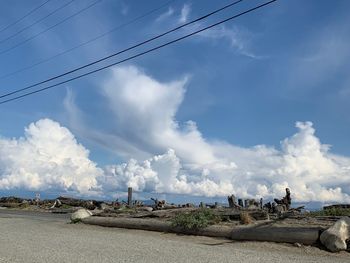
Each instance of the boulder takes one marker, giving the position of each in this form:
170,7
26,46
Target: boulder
335,238
80,214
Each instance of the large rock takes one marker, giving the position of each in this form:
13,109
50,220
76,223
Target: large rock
80,214
335,237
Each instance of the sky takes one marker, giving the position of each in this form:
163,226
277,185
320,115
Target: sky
249,107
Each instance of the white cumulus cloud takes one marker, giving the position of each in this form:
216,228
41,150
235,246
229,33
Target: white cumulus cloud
165,156
144,117
47,158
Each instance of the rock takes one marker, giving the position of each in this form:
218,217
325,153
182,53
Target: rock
335,237
80,214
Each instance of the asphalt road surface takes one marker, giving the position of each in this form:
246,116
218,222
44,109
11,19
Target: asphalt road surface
45,237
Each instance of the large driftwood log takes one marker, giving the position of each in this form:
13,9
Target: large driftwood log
303,235
156,225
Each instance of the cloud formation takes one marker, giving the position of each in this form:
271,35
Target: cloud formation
238,37
47,158
166,156
176,158
185,12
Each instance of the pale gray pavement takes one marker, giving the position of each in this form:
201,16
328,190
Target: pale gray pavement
33,237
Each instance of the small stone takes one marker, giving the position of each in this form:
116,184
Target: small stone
297,245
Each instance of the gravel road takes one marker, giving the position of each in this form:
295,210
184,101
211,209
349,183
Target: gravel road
33,237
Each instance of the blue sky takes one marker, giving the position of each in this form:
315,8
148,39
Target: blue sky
245,83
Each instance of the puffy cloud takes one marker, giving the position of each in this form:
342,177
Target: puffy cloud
47,158
303,164
144,116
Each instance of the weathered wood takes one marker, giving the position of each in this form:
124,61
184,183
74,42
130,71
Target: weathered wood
156,225
88,204
303,235
235,214
130,196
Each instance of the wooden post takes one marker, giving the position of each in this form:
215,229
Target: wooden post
246,203
129,196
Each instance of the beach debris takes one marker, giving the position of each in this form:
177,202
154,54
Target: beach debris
337,206
88,204
297,244
11,199
162,204
37,198
145,208
80,214
57,203
285,201
336,237
130,196
231,201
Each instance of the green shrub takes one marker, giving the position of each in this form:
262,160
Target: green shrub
195,220
332,212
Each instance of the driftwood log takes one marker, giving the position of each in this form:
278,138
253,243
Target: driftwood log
156,225
302,235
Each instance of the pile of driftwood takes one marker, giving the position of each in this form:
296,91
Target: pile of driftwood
160,208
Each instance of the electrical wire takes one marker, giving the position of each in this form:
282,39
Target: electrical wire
139,54
88,41
122,51
51,27
23,17
36,22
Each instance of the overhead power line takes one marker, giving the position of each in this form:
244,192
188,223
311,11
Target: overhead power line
51,27
36,22
89,41
23,17
141,53
122,51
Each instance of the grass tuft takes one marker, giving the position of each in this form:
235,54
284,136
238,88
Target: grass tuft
331,212
195,220
245,218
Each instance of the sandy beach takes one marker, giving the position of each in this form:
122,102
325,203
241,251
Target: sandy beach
44,237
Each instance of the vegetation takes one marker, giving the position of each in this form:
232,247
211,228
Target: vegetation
195,220
75,221
64,206
245,218
332,212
